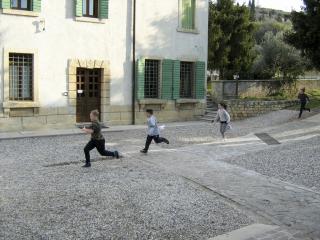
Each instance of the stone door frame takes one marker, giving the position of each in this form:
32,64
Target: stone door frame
105,82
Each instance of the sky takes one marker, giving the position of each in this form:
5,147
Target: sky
286,5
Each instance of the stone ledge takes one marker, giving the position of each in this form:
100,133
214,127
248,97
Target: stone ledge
192,31
22,104
152,101
90,20
187,101
25,13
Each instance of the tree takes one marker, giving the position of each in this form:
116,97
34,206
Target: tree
230,38
269,26
277,59
252,6
306,31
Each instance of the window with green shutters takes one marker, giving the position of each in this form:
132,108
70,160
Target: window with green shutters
167,79
92,8
27,5
140,72
200,91
179,79
176,79
36,5
187,14
187,79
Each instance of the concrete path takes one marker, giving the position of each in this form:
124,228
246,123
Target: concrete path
259,232
277,202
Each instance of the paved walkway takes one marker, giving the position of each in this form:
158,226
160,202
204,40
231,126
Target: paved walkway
260,232
277,202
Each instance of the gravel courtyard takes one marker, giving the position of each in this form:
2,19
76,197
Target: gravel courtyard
45,194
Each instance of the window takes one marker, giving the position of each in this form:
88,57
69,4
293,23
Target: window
151,76
187,79
187,14
20,77
21,4
90,8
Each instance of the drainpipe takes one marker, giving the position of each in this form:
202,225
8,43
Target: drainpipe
134,64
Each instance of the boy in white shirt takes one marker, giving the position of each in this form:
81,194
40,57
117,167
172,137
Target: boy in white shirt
153,131
224,118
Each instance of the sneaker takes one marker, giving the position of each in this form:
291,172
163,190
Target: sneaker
166,141
144,151
116,155
87,165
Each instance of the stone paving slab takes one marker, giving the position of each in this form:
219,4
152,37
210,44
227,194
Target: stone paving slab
260,232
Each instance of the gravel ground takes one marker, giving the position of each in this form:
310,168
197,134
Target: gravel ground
112,200
297,162
125,199
115,199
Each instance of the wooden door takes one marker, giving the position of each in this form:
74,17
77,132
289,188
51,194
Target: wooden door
88,92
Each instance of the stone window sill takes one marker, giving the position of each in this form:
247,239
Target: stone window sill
152,101
183,101
187,100
90,20
22,104
192,31
25,13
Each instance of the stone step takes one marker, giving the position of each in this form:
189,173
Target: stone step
210,116
212,109
206,119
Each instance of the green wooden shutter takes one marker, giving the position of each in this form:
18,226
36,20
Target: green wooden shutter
200,68
104,9
140,78
36,5
188,14
167,79
78,8
5,4
176,79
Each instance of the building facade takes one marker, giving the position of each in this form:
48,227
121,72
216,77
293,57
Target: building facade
61,59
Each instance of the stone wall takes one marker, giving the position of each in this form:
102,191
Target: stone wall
240,109
226,89
65,117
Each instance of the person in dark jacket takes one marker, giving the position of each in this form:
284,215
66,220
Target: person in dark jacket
97,139
304,99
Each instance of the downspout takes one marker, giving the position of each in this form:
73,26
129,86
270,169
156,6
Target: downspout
134,64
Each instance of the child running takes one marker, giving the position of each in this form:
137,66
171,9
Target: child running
153,131
304,98
97,139
224,118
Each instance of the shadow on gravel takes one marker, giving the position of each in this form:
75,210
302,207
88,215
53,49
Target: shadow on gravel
79,162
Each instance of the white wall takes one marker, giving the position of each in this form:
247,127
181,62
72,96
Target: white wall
157,35
65,38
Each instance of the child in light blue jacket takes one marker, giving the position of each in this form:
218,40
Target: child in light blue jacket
224,118
153,131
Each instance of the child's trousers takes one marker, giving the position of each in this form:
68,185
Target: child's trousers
156,138
100,145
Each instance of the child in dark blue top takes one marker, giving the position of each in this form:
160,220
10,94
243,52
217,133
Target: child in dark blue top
303,97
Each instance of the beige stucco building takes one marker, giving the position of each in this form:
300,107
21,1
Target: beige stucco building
61,59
